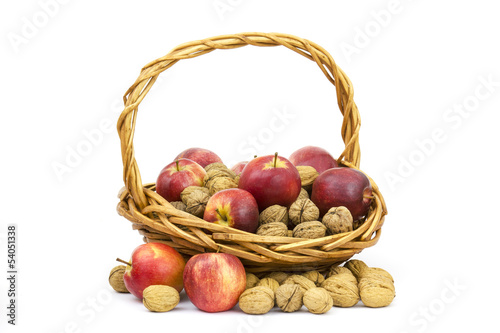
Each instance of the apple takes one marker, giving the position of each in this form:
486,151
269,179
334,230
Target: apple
272,180
238,167
201,156
233,207
342,187
316,157
214,281
153,264
178,175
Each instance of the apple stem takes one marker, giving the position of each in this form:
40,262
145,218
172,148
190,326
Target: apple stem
123,262
254,156
275,158
222,217
368,197
177,164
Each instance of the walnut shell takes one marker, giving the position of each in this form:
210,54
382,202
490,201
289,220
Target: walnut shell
252,280
338,220
307,175
290,233
356,267
273,229
303,194
179,205
116,279
257,300
221,183
377,272
289,297
341,270
216,165
300,280
376,292
217,173
318,300
311,229
270,283
159,298
358,223
278,276
196,202
315,277
343,291
188,190
274,213
303,210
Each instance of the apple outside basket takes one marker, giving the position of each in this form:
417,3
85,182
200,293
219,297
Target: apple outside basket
158,221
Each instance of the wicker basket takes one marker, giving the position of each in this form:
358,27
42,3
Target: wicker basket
158,221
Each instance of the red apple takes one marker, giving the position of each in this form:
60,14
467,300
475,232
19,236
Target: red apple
214,281
178,175
238,167
272,180
201,156
343,187
234,208
153,264
316,157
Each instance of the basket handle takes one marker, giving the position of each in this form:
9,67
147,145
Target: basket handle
136,93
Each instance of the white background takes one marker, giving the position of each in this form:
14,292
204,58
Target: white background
411,70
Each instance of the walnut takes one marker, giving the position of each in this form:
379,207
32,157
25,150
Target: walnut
116,279
303,210
257,300
356,267
196,202
252,280
188,190
160,298
307,175
358,223
289,297
269,282
338,220
275,213
221,183
343,291
315,277
179,205
217,173
290,233
302,195
300,280
311,229
273,229
376,291
216,165
278,276
342,270
318,300
377,272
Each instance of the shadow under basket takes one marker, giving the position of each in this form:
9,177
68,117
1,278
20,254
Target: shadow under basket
158,221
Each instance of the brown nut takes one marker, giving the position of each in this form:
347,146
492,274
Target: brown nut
273,229
338,220
221,183
318,300
179,205
188,190
311,229
378,272
289,297
116,279
300,280
356,267
302,195
307,175
217,173
159,298
376,291
315,277
252,280
196,202
278,276
303,210
343,291
342,270
275,213
216,165
257,300
270,283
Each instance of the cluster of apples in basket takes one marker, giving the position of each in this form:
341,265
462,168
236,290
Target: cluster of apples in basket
251,194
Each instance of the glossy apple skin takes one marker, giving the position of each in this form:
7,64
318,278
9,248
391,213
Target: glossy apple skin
238,167
342,187
271,185
214,281
237,209
201,156
171,182
316,157
154,264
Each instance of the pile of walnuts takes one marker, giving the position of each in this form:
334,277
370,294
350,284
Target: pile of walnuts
341,287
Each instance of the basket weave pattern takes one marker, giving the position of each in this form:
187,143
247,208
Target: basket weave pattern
157,220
